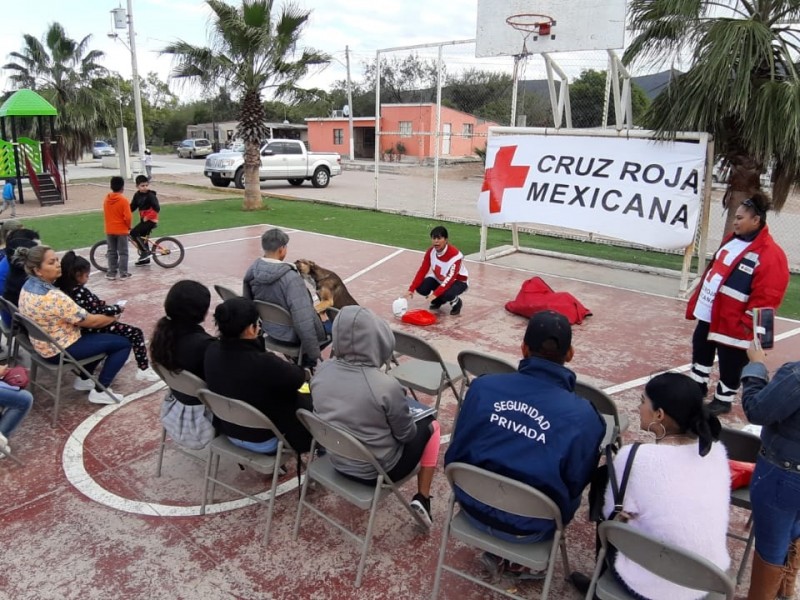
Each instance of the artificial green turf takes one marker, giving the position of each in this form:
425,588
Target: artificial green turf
83,230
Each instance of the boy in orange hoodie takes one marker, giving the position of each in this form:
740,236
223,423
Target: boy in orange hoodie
117,216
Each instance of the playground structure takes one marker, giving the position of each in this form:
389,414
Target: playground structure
26,158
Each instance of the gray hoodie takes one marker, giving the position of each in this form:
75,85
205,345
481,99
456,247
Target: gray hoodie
350,391
280,283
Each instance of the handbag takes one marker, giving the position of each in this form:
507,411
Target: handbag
17,376
189,425
602,477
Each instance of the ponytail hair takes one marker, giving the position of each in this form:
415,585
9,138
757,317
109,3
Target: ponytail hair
72,265
186,304
681,398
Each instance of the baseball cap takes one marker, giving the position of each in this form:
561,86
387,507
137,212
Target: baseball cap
548,325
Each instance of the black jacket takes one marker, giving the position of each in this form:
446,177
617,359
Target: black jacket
243,370
191,344
145,201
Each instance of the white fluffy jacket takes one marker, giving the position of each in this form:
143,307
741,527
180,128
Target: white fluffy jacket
681,498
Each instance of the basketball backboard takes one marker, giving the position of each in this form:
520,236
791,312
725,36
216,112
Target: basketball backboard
510,27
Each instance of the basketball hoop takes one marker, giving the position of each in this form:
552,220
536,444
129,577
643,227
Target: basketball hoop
532,25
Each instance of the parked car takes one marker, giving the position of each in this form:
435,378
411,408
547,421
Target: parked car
280,159
194,147
102,148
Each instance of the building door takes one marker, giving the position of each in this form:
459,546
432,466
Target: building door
447,129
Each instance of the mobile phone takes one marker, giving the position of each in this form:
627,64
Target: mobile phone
764,323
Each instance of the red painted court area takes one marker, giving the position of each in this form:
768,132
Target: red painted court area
86,517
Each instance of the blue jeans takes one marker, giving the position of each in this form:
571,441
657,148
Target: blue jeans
775,494
269,447
508,537
15,404
116,347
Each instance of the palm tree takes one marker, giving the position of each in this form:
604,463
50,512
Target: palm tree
66,73
250,51
742,85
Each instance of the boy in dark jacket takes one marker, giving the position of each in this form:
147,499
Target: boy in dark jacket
146,202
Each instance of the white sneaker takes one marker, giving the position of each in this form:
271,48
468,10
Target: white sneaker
83,385
147,375
96,397
4,445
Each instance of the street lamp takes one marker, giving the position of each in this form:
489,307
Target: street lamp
123,20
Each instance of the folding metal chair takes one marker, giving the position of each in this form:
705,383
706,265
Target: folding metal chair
616,424
24,330
11,456
509,495
665,560
242,414
744,447
225,293
475,364
424,371
277,315
339,442
8,330
185,383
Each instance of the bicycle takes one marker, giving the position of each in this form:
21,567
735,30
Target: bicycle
167,252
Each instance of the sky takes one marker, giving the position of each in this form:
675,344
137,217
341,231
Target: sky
364,25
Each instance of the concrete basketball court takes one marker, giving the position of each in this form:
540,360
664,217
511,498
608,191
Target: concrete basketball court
87,518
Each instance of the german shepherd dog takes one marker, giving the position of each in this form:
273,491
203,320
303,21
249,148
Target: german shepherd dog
330,288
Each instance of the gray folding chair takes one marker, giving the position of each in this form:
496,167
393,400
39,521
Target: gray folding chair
474,364
24,331
8,330
185,383
744,447
511,496
242,414
225,293
424,370
277,315
616,424
339,442
665,560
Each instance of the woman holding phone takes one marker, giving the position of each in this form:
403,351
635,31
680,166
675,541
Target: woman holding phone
775,487
749,270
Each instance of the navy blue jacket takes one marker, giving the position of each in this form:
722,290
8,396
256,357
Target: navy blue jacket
532,427
775,405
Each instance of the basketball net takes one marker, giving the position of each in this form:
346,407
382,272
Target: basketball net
530,24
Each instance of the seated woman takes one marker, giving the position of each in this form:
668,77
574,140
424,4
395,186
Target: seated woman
351,391
179,343
58,315
14,405
239,367
678,488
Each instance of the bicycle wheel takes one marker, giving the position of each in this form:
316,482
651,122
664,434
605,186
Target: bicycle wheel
98,255
167,252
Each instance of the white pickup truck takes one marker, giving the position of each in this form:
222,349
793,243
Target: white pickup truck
280,159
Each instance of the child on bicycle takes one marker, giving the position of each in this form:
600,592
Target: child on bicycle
146,202
74,276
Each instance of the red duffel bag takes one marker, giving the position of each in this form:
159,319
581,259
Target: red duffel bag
535,295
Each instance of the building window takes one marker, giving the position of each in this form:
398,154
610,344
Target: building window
338,137
405,128
467,129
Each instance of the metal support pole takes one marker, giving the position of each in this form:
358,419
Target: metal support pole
517,59
377,120
137,98
350,104
437,135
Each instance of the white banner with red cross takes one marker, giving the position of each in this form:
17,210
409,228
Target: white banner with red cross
639,190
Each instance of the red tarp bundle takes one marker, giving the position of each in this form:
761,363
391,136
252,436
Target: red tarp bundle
535,295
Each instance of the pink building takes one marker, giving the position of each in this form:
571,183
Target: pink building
411,125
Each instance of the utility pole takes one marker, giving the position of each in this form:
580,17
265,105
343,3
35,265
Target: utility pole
137,98
349,103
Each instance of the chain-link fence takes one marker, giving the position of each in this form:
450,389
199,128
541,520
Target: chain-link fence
437,103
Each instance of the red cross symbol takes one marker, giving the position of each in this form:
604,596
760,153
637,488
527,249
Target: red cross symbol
719,267
502,176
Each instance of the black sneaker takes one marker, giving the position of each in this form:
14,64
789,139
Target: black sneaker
456,307
142,261
718,407
422,506
435,305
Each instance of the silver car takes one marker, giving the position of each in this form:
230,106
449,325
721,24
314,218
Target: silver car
101,149
194,148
